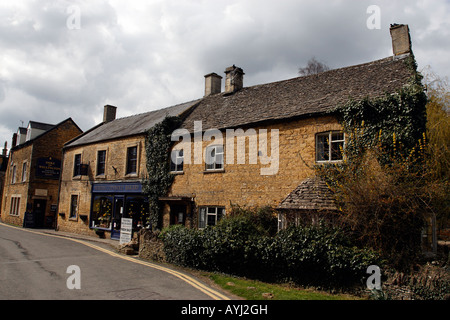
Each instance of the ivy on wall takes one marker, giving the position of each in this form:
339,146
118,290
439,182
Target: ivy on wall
401,115
159,179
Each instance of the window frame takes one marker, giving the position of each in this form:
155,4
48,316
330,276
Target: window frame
24,171
177,167
330,142
76,165
214,164
73,212
101,164
15,206
205,210
13,174
128,161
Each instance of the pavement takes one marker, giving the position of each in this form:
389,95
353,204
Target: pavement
113,243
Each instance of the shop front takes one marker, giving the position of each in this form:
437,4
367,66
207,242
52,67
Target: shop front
113,201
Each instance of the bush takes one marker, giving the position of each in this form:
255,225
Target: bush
312,255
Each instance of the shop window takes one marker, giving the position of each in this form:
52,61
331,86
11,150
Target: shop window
136,207
214,157
132,160
73,207
101,162
102,210
176,163
209,216
329,146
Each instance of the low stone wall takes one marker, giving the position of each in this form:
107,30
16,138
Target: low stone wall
150,246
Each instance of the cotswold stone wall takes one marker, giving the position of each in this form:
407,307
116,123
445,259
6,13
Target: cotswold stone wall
243,184
115,170
32,186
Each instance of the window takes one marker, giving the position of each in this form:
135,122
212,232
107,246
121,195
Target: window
15,203
13,175
176,163
214,158
209,216
102,209
77,165
132,160
101,162
24,172
73,207
329,146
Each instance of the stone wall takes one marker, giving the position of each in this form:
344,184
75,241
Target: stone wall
243,184
115,170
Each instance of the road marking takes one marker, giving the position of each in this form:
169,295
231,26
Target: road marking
188,279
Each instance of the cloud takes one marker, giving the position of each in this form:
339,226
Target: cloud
143,55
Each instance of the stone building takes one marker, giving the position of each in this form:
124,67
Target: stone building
255,146
248,146
103,171
31,188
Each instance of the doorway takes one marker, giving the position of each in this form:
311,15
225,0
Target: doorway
39,206
177,214
117,217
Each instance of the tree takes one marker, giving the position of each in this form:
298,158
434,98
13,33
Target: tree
313,67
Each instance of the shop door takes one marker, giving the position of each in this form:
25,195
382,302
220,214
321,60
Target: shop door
39,212
117,216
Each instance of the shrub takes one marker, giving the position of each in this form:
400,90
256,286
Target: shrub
306,255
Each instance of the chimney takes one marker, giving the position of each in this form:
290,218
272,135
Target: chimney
5,150
109,113
401,40
213,84
14,140
234,79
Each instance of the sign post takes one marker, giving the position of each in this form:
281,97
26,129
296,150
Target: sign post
126,229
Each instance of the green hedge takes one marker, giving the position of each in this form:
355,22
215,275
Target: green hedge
307,255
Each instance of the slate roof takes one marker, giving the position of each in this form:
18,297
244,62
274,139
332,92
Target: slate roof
312,194
301,96
128,126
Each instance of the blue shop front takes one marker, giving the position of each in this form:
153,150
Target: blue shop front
113,201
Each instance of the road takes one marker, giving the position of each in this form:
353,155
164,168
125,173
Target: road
34,265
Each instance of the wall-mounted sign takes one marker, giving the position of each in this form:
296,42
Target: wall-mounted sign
48,168
119,187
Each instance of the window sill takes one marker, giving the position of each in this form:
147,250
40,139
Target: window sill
214,171
329,161
177,172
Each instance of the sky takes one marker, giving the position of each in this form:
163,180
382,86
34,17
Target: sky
61,59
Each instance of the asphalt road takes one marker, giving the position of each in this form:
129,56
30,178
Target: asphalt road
39,266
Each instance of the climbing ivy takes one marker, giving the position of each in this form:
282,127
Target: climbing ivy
401,115
159,179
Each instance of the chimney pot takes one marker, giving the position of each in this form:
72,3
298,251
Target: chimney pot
401,40
109,113
213,84
234,79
